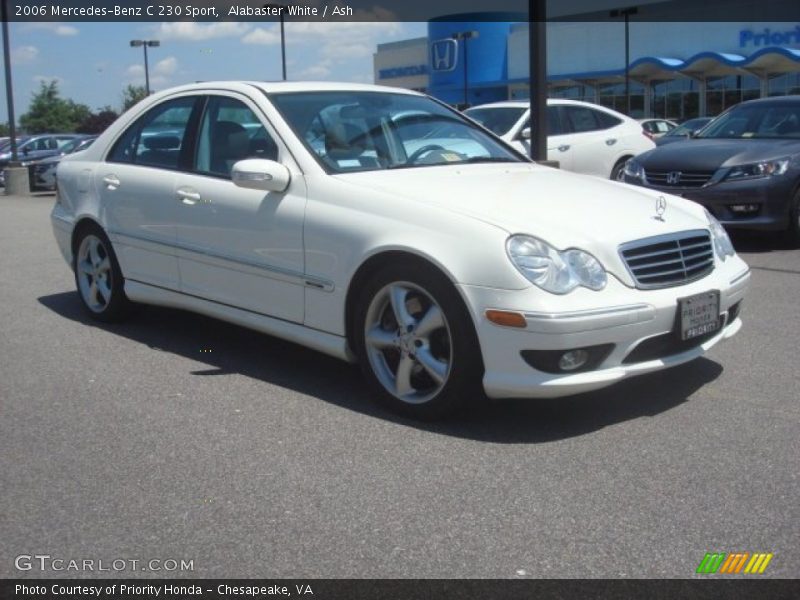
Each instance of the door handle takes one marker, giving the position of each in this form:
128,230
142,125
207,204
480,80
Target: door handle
112,181
189,196
563,147
611,141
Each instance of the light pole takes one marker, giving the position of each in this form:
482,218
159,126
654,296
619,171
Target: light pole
465,35
12,128
537,72
144,44
626,13
280,8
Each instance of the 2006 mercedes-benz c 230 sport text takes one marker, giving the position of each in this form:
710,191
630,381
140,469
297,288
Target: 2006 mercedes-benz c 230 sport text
380,226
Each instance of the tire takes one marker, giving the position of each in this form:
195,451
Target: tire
617,173
98,277
793,231
429,368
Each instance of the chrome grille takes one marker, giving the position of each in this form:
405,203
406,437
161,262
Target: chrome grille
685,179
669,260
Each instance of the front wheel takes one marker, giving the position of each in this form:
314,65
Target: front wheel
416,342
618,172
99,278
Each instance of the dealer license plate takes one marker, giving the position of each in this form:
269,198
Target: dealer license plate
699,314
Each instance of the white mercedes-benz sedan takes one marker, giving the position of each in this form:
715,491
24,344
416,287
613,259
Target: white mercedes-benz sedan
378,225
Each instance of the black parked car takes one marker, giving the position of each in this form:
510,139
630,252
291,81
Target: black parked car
744,167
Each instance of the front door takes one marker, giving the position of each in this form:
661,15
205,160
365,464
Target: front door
237,246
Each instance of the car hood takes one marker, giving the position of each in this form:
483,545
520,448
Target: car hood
709,155
565,209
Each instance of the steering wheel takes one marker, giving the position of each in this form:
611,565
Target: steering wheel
420,151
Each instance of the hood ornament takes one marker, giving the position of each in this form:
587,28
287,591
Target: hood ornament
661,208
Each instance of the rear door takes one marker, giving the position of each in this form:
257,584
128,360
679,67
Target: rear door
136,185
592,139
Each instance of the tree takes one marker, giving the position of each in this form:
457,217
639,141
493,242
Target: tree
131,95
50,113
5,130
98,122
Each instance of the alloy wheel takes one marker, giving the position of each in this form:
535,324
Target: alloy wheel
94,273
408,342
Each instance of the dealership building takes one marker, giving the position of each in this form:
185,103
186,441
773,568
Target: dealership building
677,70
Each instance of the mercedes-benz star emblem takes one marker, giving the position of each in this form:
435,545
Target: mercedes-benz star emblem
661,208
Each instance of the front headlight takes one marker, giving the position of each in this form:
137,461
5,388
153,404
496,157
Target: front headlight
554,271
766,168
722,243
634,170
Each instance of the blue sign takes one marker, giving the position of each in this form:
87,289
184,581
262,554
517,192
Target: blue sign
444,55
395,72
767,37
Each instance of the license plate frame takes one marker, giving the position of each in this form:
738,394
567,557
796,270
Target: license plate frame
698,314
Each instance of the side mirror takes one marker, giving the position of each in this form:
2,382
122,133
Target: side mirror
260,174
525,134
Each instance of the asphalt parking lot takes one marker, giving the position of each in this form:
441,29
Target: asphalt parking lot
174,436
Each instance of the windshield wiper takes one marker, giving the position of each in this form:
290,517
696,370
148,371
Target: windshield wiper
484,159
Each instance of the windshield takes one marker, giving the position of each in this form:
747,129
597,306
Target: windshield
756,121
367,131
498,119
688,127
70,146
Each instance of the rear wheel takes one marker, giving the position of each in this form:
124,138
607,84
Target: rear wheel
416,342
98,277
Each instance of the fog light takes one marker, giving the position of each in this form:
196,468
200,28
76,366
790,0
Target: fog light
741,209
574,359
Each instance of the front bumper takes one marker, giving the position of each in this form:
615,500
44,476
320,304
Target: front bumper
771,195
620,317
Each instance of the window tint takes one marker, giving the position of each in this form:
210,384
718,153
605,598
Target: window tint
554,126
157,138
554,121
230,132
45,143
581,118
607,121
499,120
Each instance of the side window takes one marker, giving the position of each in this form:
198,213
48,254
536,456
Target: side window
157,138
230,132
582,119
554,121
606,120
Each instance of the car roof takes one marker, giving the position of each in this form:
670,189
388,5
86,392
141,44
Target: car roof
774,100
275,87
526,104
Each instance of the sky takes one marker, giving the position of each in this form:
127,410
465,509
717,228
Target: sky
93,62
